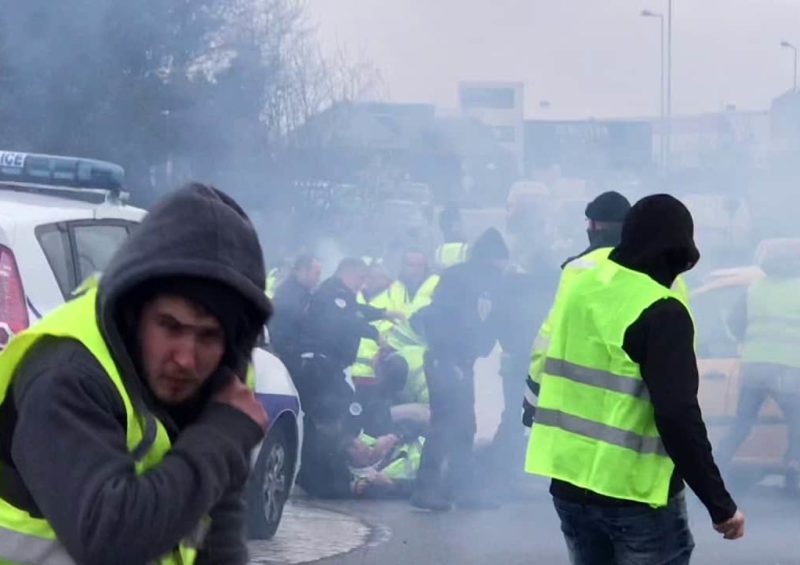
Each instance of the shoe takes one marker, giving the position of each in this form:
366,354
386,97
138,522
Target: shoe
431,501
477,502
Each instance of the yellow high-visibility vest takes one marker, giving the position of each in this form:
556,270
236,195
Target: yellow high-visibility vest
402,334
449,254
773,322
367,348
25,539
594,425
570,272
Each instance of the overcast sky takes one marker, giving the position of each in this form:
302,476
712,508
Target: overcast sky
586,57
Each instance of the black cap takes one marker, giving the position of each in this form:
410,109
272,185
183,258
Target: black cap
608,207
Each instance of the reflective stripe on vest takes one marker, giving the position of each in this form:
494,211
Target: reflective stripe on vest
449,254
773,322
594,425
31,540
571,270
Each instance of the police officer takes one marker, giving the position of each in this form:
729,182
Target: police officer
617,425
290,303
333,329
459,327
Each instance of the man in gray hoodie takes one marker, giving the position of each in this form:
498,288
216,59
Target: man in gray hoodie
125,423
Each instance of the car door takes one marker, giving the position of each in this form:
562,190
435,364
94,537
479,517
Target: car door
78,249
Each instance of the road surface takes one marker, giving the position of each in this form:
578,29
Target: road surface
523,532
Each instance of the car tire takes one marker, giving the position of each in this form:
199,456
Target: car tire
270,482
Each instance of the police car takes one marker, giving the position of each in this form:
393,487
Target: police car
61,220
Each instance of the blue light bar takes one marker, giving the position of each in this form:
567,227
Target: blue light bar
58,171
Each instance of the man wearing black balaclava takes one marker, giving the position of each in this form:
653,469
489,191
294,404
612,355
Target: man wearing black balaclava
618,426
604,215
459,326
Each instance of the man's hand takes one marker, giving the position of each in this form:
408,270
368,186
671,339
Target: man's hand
385,444
237,395
732,528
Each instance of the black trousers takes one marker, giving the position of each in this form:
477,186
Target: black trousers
447,465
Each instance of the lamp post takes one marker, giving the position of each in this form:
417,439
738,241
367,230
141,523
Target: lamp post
667,156
785,44
662,94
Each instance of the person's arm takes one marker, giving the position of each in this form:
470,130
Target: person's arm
662,342
370,313
69,447
226,542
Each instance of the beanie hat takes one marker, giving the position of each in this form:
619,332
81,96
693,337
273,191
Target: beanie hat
608,207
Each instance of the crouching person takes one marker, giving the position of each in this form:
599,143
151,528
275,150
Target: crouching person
126,424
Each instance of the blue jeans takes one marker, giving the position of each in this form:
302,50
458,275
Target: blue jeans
626,535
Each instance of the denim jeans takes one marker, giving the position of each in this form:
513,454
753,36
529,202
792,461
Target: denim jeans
626,535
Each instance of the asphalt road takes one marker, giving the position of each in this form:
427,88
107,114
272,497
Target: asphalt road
526,531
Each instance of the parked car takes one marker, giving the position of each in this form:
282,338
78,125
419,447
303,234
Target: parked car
61,220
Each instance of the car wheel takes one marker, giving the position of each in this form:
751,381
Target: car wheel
269,484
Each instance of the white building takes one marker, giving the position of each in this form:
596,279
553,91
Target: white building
499,105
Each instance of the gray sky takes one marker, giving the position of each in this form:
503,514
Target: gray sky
586,57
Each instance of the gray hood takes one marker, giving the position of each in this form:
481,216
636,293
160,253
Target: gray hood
197,232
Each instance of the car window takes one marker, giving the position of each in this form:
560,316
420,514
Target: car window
95,244
54,240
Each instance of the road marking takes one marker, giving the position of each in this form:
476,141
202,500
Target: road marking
309,533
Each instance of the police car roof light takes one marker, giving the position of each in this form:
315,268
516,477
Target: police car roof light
60,172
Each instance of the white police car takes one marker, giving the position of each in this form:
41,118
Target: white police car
61,220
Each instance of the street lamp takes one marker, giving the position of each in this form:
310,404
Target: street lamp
788,45
662,146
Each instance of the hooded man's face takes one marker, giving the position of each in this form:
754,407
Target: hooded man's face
181,347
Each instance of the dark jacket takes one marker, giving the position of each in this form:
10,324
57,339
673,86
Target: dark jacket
290,304
462,324
336,322
68,443
657,240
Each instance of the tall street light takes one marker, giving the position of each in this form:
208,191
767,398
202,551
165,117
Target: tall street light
669,85
649,14
788,45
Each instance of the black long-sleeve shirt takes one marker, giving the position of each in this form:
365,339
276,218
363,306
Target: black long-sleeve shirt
336,322
461,322
661,341
290,304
